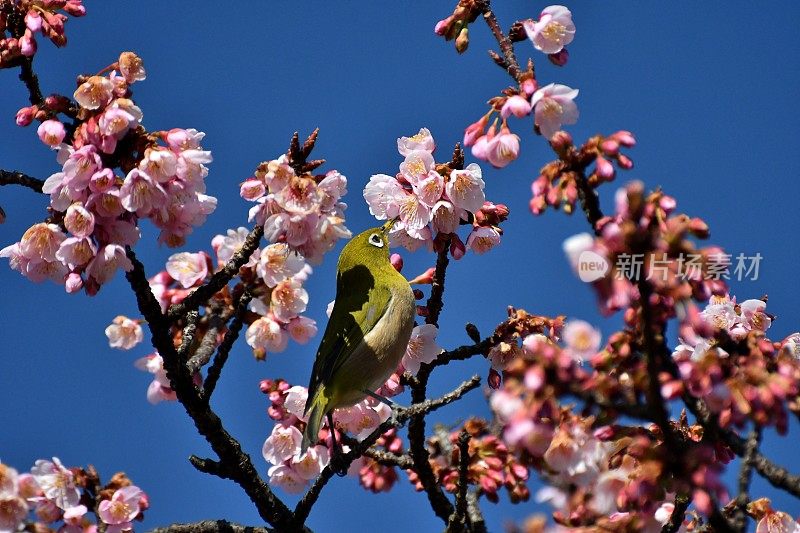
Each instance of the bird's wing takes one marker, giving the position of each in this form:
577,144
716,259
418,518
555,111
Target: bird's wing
358,307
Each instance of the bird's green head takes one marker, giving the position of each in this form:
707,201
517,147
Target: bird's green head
369,248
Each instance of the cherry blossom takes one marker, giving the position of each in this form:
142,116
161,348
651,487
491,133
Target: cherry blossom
553,31
422,348
57,482
553,106
124,333
582,339
282,444
187,268
121,509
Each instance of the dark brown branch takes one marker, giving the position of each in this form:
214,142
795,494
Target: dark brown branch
211,526
225,346
682,502
203,353
220,278
435,302
233,459
476,522
777,476
14,177
745,476
389,459
458,519
401,416
31,81
589,200
187,336
509,58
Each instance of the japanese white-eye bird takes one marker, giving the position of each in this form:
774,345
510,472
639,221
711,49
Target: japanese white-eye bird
367,333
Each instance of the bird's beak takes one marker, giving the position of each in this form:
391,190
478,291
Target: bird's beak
386,228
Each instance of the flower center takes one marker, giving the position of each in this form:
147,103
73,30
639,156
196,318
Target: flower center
555,31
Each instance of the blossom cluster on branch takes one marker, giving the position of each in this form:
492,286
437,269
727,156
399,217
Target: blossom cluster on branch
53,496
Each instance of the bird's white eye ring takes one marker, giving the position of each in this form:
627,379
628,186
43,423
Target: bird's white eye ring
376,240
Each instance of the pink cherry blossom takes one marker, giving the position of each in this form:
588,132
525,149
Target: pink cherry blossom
188,268
309,465
553,106
124,333
475,130
417,165
503,148
282,444
582,340
278,262
13,511
422,347
79,221
301,329
446,216
159,389
131,67
295,401
95,92
502,354
160,163
429,189
285,477
266,334
516,105
105,264
123,507
140,194
51,132
383,195
227,245
57,482
41,242
288,299
421,141
465,188
552,31
482,239
414,214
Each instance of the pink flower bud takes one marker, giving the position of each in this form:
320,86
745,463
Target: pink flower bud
442,26
426,278
27,44
604,169
475,131
610,147
698,228
625,138
25,115
418,294
604,433
516,105
73,283
624,162
560,58
33,21
422,311
51,132
457,248
561,140
462,41
397,262
502,149
75,8
529,86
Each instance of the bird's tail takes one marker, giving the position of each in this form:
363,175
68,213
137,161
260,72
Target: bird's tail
316,409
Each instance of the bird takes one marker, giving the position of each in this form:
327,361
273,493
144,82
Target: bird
367,333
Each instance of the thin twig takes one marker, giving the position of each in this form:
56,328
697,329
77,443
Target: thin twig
682,502
458,519
401,416
510,62
390,459
745,475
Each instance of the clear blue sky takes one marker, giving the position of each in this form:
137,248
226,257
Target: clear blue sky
709,90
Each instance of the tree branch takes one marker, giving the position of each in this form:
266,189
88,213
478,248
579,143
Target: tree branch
14,177
745,475
342,462
457,521
675,522
211,526
233,459
225,346
220,278
509,59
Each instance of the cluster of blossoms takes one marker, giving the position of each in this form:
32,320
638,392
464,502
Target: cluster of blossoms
432,200
302,210
740,373
552,105
94,211
21,20
558,182
292,471
67,496
273,276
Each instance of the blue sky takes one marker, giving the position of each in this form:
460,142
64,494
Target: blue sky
709,90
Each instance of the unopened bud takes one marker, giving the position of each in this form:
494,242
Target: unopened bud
494,379
397,262
25,115
457,248
422,311
698,228
426,278
624,162
561,141
604,169
559,59
462,41
517,32
418,294
610,147
625,138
